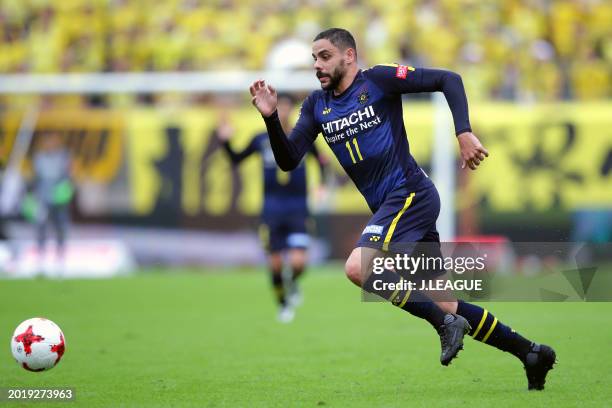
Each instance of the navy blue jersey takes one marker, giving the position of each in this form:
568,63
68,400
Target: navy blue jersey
284,193
364,127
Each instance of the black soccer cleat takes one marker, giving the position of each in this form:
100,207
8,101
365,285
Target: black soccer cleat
538,362
451,336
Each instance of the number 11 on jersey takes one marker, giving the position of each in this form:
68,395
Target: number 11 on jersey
348,146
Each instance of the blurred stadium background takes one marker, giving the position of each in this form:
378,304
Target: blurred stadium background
135,89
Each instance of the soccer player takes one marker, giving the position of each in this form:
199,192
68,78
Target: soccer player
285,210
359,113
53,189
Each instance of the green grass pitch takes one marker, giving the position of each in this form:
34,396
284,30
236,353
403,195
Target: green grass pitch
211,340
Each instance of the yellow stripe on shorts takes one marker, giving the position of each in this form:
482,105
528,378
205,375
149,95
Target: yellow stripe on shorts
395,221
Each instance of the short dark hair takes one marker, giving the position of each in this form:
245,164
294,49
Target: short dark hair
340,37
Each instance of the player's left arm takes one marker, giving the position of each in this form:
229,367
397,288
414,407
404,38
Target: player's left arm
401,79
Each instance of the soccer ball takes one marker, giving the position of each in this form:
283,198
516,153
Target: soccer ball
38,344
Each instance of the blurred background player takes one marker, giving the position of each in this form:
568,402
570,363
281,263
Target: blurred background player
3,235
284,215
52,191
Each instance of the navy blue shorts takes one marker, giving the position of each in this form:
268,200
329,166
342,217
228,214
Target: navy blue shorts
404,217
284,232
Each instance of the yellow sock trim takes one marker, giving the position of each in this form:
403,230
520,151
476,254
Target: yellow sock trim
395,292
405,299
484,340
484,317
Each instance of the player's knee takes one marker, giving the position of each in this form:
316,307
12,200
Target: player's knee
276,263
352,268
448,307
298,259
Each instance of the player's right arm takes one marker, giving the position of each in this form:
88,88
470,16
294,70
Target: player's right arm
288,151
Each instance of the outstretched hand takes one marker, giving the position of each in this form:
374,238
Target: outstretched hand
224,129
264,97
224,132
472,151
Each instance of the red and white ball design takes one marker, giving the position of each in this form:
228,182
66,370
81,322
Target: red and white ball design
38,344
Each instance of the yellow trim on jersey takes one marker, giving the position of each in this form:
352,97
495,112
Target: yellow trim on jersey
484,317
484,340
395,221
383,65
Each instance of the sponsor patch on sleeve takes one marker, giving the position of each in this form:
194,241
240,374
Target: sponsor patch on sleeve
402,71
373,229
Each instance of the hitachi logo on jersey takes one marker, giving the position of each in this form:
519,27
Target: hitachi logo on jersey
352,119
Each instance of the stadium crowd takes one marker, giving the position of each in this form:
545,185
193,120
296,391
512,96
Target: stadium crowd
526,50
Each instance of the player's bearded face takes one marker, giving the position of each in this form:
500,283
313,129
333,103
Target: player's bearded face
334,77
329,64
